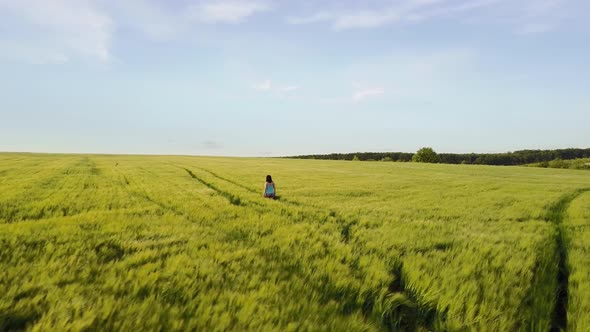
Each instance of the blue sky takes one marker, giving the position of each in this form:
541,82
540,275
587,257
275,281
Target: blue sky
270,78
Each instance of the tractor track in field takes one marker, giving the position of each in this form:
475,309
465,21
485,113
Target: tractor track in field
143,195
416,315
228,180
281,199
556,214
233,199
345,226
245,201
166,207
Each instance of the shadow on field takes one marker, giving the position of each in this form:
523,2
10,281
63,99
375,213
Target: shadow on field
108,251
18,319
276,198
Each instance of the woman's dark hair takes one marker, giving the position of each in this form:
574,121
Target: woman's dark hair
268,178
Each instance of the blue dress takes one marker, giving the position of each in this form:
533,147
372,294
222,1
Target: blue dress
270,189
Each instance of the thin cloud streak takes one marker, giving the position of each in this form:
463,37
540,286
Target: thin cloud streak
405,12
364,94
226,11
268,86
526,16
533,28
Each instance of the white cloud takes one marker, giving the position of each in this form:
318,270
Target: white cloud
404,11
57,31
149,18
363,94
532,28
412,75
53,31
268,86
526,16
364,19
265,85
341,21
542,16
161,21
317,17
349,20
226,11
543,7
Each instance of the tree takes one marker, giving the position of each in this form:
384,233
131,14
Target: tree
356,158
425,155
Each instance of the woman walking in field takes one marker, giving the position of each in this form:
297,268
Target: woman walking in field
270,190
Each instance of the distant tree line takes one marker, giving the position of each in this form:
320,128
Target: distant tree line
579,163
508,158
365,156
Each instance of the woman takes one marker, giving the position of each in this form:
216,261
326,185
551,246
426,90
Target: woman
270,190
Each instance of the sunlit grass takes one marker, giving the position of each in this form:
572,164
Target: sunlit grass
186,243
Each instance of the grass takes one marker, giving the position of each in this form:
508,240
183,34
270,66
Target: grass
185,243
577,234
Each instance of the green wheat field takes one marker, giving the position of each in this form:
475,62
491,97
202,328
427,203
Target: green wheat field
173,243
